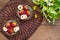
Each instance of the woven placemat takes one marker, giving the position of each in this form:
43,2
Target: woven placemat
27,28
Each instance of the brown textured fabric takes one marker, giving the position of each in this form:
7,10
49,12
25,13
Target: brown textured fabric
27,28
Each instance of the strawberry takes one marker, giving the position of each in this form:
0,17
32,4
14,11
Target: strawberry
25,12
7,25
21,12
10,30
28,13
13,24
25,7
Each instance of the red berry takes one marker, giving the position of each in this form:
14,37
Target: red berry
7,25
28,13
21,13
10,30
25,12
25,7
13,24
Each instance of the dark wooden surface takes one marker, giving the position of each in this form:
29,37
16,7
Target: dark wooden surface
44,32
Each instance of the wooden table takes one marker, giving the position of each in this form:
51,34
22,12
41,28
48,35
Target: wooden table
44,32
47,31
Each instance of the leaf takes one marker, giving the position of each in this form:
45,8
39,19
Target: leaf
50,9
37,2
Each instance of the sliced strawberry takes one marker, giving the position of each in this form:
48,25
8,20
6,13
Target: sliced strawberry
7,25
10,30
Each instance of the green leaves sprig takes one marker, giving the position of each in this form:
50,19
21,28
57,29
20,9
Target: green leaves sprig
49,8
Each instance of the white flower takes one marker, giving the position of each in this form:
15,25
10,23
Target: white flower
20,7
38,0
16,29
5,29
51,0
23,16
45,0
50,4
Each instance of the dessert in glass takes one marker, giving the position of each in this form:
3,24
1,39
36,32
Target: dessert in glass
11,27
25,12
